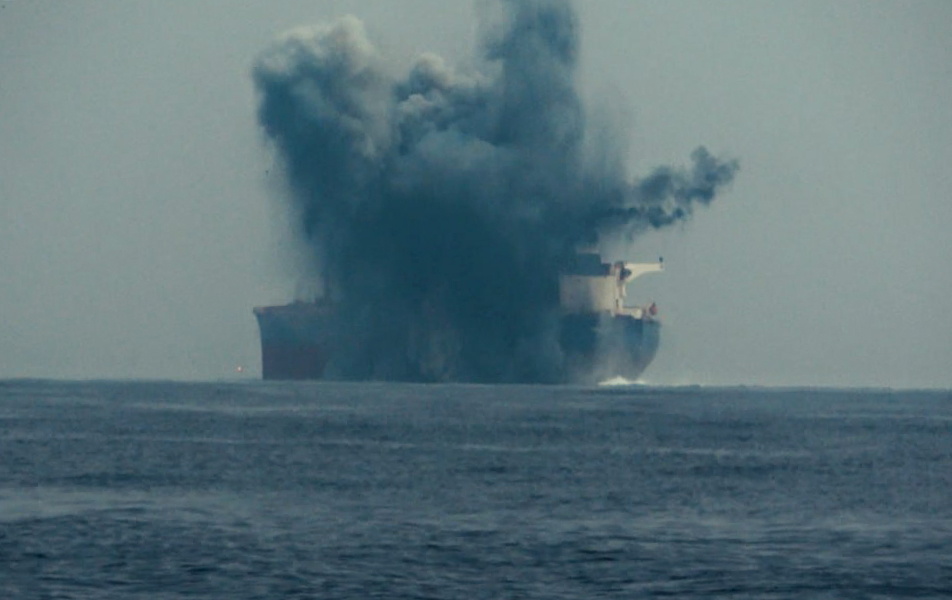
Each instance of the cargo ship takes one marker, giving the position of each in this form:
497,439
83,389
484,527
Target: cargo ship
600,336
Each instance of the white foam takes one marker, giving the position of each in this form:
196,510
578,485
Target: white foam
619,380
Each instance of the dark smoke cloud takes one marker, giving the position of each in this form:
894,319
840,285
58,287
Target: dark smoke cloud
442,205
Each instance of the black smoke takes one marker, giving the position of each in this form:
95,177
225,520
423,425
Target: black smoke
442,205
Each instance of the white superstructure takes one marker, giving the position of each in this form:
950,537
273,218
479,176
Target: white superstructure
597,287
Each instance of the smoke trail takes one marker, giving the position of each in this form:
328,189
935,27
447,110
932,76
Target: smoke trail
441,205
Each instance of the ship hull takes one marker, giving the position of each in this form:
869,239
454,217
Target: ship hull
294,340
297,343
600,347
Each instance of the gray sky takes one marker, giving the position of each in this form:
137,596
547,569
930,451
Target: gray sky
139,222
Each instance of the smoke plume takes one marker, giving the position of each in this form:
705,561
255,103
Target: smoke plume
441,206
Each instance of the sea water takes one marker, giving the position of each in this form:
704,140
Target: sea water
334,490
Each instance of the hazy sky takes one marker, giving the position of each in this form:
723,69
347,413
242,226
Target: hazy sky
140,222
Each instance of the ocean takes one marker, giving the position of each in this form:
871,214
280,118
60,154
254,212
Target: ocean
369,490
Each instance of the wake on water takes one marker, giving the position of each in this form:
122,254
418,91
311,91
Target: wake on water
613,381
